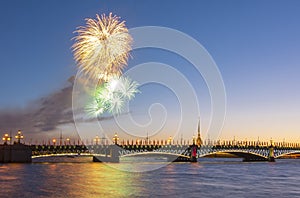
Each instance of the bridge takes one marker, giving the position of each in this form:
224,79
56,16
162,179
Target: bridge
171,152
248,150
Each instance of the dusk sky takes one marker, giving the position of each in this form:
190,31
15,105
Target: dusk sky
255,45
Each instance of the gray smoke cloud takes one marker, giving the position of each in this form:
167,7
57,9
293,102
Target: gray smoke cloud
45,114
41,115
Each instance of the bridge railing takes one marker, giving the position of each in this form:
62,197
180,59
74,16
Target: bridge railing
279,147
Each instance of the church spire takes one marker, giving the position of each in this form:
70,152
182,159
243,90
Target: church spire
199,140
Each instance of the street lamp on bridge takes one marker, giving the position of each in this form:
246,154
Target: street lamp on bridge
116,138
54,141
19,136
6,138
68,141
97,139
170,140
193,140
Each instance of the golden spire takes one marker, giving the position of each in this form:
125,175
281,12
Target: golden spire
199,140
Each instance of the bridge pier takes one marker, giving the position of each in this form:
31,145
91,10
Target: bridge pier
98,158
114,156
271,157
254,160
194,149
180,159
16,153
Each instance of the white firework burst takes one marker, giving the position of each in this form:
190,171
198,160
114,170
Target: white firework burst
112,96
102,47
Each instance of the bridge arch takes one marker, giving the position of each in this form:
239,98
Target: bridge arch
60,155
168,155
287,153
246,155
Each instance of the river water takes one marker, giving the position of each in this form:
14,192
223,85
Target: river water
64,177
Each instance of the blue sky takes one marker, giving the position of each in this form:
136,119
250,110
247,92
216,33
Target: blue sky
255,44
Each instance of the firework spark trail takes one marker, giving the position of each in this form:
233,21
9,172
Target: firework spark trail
101,51
102,47
112,96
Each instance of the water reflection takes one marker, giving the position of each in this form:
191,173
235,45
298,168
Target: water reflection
140,164
84,178
89,180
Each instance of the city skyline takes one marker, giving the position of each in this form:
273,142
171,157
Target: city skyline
254,46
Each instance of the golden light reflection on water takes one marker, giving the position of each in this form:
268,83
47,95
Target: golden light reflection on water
91,180
117,183
80,177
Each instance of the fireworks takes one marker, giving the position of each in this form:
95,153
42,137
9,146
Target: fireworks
101,51
102,47
112,96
